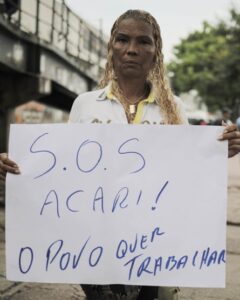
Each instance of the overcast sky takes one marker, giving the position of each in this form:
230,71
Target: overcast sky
176,18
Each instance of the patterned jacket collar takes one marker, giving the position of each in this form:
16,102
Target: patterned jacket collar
106,94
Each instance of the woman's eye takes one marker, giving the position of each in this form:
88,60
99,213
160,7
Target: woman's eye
145,42
122,40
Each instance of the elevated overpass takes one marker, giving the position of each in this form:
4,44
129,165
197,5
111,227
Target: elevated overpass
47,53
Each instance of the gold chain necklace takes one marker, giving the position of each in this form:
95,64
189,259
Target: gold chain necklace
131,108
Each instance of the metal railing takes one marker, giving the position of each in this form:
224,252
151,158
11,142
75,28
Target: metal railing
52,22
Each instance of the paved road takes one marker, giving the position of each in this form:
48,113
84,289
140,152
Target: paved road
20,291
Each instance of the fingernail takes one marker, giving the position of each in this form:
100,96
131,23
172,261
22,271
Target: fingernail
17,171
220,137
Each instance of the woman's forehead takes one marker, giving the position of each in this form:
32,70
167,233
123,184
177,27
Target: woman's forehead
137,25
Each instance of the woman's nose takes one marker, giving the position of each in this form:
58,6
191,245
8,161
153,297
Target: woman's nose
132,48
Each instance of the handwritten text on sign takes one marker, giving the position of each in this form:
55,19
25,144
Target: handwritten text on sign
117,204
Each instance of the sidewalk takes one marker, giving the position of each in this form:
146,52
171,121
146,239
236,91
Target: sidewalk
29,291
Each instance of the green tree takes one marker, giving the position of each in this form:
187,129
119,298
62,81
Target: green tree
208,61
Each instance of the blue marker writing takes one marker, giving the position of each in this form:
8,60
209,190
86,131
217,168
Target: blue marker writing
43,151
139,155
159,194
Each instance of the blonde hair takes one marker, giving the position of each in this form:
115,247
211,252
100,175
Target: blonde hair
157,77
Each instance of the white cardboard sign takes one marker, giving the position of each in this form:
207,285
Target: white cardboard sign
107,204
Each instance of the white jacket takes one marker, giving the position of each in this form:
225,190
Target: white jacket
101,106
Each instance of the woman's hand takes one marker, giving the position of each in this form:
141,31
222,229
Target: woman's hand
7,165
232,135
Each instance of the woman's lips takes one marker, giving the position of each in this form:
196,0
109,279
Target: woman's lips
131,64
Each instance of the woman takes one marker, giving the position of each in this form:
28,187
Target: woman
134,89
134,78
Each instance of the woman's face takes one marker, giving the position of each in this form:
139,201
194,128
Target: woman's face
133,49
